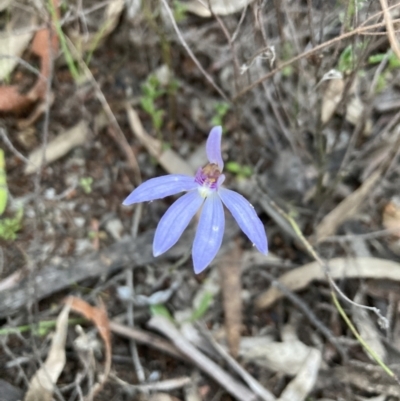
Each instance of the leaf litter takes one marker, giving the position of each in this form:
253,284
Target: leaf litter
337,180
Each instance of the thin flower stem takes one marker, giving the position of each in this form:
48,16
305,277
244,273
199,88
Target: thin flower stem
373,354
334,288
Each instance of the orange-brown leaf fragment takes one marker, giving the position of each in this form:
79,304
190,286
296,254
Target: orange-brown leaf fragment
98,315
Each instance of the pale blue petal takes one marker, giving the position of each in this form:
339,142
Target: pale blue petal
175,220
246,217
209,233
213,147
160,187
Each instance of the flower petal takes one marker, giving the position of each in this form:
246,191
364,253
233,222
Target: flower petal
175,220
209,233
213,147
160,187
246,217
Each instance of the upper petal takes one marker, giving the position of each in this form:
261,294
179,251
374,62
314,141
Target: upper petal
160,187
213,147
246,217
175,220
209,233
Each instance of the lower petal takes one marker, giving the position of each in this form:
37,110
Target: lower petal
246,217
210,232
175,220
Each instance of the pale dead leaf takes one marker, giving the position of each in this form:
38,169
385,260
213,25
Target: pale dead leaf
219,7
285,357
162,397
42,384
346,209
168,159
4,4
88,42
339,268
331,98
59,146
303,383
15,39
355,112
391,216
231,286
99,317
45,46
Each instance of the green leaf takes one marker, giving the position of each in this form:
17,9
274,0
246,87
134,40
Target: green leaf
203,307
160,310
233,167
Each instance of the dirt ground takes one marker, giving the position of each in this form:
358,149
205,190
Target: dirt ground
98,97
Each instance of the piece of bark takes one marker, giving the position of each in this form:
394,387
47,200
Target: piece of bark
126,253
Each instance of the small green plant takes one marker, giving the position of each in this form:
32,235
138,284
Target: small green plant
86,184
11,225
393,63
220,111
160,310
152,90
203,307
240,171
179,10
348,58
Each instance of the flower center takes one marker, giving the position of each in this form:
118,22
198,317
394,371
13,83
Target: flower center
208,176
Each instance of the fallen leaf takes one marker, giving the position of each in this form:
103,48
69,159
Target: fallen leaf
346,209
45,46
304,382
219,7
90,41
58,147
42,384
14,39
391,216
331,98
339,268
168,159
99,317
284,357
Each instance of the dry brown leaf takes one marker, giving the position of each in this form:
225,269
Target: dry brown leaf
339,268
58,147
219,7
15,39
168,159
45,46
346,209
391,216
303,383
231,286
90,41
42,384
99,317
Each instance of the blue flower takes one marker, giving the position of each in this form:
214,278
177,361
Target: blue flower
203,190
